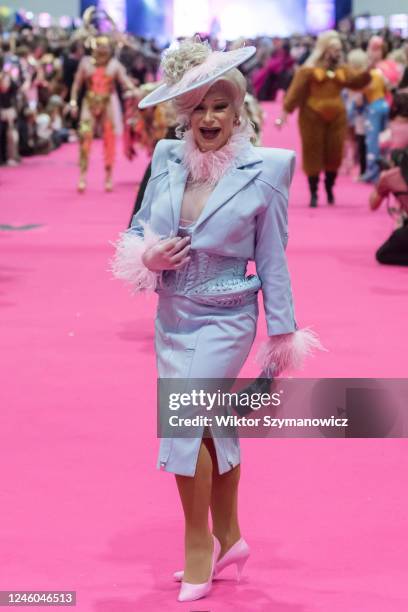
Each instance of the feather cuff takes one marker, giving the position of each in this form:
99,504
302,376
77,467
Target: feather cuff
127,262
287,351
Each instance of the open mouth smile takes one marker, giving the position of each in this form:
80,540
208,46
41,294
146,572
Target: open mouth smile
210,133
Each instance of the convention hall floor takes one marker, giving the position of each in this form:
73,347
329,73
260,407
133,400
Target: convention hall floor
82,505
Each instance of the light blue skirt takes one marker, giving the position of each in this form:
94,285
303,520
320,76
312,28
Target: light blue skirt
195,340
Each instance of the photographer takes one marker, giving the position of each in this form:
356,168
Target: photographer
394,181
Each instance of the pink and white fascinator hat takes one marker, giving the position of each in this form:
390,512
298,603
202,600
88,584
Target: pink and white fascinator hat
187,66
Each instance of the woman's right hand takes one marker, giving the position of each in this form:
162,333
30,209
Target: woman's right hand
168,254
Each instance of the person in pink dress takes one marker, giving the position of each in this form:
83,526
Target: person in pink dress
274,75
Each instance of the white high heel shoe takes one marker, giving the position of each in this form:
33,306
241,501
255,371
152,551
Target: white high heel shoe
238,554
190,591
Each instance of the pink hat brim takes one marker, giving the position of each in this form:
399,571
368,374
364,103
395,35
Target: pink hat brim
210,70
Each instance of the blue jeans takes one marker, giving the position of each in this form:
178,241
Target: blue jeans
376,122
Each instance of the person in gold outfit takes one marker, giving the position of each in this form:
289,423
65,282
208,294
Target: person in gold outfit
316,90
99,73
153,123
145,128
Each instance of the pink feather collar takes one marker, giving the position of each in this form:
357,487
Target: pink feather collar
210,166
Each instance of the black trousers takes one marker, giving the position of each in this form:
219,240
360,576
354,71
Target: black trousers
362,152
394,251
141,192
170,134
3,142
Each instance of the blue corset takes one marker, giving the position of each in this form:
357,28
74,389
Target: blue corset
211,279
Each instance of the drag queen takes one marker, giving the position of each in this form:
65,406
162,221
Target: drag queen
100,74
316,90
213,202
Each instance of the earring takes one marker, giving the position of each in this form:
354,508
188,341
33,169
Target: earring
237,121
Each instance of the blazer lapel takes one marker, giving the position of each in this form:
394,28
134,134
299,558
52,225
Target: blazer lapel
235,180
177,183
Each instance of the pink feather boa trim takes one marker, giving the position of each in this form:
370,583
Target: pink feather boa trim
210,167
127,262
287,351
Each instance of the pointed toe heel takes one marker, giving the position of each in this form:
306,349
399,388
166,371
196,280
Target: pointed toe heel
191,592
238,554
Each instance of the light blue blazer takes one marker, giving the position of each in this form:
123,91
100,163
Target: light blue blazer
246,216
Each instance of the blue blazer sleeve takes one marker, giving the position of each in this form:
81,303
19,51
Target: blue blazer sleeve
271,241
127,263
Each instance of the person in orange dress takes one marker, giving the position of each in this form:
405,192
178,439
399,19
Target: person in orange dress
316,90
99,74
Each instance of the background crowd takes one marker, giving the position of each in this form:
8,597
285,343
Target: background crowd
38,67
37,70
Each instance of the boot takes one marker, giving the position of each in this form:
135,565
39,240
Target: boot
313,186
329,181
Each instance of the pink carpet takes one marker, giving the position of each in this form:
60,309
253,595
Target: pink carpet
82,505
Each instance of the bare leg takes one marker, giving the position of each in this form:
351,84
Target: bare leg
12,143
224,502
195,494
109,142
108,178
86,129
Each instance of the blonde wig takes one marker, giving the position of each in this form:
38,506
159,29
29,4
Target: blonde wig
358,59
323,43
176,64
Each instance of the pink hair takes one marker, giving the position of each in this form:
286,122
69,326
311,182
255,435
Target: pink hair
376,42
